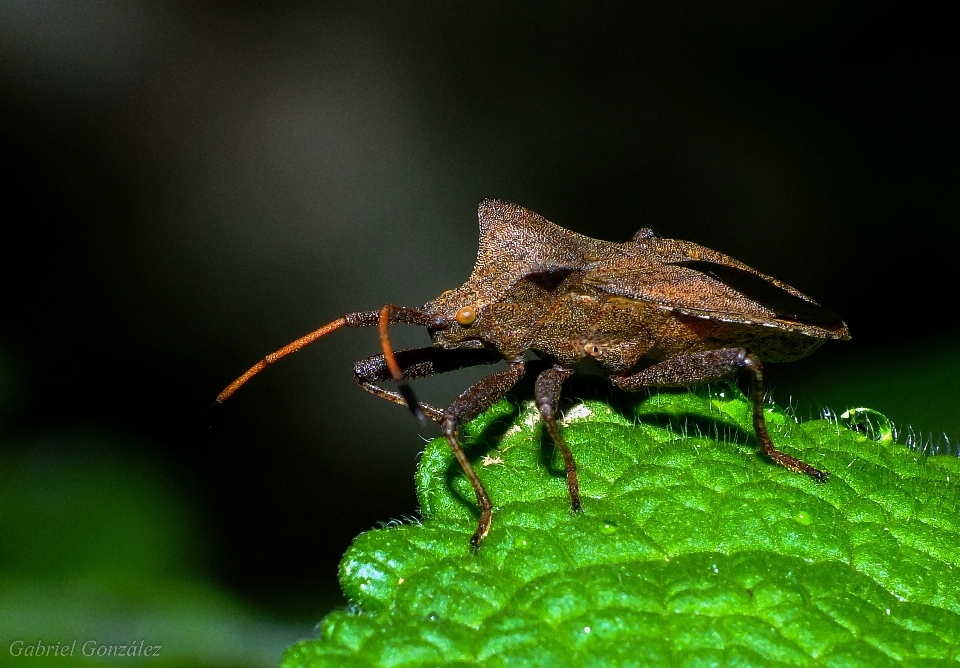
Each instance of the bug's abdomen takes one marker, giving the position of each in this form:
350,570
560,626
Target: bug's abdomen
618,333
684,333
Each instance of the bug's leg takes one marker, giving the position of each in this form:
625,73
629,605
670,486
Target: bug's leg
752,363
464,408
709,366
418,363
398,314
547,391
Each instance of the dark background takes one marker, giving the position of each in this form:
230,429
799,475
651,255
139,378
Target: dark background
190,188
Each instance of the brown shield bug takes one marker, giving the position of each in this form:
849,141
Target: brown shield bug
650,312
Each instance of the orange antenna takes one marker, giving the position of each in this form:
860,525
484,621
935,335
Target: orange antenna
395,371
283,352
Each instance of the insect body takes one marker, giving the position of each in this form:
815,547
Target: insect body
650,312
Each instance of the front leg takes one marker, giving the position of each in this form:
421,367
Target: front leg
709,366
467,406
418,363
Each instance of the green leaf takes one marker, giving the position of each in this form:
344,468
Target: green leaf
693,549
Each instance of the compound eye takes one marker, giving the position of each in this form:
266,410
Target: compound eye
466,316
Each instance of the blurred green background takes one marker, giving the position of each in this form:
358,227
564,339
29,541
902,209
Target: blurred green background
191,186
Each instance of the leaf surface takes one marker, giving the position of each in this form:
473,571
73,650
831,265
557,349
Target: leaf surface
693,549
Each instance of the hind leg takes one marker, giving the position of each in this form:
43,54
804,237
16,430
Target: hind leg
709,366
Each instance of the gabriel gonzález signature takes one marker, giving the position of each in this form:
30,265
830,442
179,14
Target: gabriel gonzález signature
89,648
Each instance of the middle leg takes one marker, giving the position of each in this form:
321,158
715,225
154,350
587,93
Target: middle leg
547,391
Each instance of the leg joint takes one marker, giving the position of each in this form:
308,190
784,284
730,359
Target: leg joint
449,424
748,360
370,370
545,406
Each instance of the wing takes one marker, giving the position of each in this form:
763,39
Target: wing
752,285
691,278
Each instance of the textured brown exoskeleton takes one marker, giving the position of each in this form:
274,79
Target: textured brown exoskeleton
650,312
